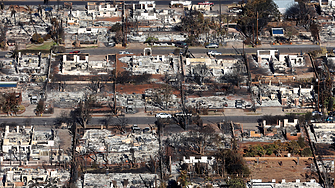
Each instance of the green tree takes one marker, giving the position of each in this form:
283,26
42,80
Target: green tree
260,150
151,40
269,151
293,12
194,23
293,147
182,179
36,38
116,27
301,142
306,152
118,37
236,183
291,31
231,162
267,10
9,103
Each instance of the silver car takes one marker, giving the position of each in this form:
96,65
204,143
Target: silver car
212,45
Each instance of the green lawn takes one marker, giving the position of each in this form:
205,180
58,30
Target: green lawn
45,46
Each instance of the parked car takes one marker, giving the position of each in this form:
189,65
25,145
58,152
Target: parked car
124,52
75,52
238,104
214,52
235,10
9,55
181,44
212,45
181,114
112,44
163,115
314,113
330,119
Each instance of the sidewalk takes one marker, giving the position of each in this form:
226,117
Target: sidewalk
228,112
29,113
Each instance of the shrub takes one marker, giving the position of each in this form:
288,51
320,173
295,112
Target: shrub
236,183
269,151
306,152
301,142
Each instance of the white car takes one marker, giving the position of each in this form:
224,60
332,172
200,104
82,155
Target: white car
124,52
181,114
236,10
163,115
214,52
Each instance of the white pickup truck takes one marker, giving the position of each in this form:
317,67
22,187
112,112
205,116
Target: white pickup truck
184,3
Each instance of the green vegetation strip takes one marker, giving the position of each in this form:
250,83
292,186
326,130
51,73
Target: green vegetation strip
45,46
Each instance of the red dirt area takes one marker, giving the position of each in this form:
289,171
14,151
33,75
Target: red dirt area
139,89
280,168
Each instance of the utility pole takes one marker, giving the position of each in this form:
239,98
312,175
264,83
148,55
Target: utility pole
256,29
74,173
124,23
227,25
220,15
181,82
253,33
115,81
160,130
182,94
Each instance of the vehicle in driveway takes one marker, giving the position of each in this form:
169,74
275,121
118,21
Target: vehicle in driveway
212,45
214,53
314,113
163,115
238,104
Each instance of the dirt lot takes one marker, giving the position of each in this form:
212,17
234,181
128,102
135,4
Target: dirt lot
65,139
288,170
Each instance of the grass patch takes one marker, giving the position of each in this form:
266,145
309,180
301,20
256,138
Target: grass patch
295,113
45,46
90,46
253,113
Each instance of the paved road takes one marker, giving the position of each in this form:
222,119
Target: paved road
131,120
158,2
198,50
